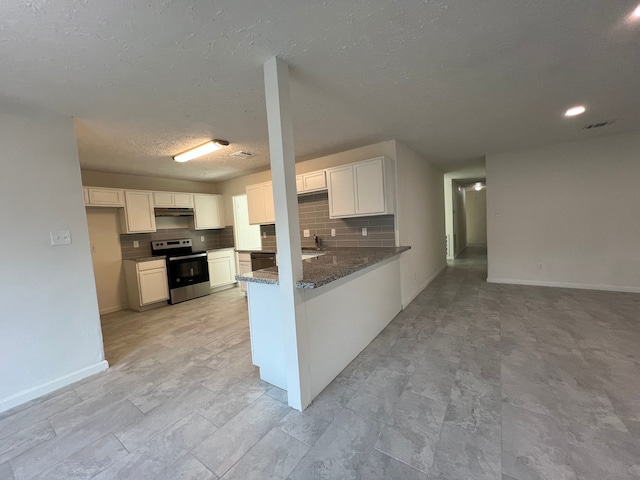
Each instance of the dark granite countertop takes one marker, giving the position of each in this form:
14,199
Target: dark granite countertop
148,259
335,263
257,250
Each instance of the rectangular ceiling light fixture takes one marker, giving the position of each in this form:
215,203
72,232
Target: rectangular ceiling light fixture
201,150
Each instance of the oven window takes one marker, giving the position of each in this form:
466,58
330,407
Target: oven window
188,271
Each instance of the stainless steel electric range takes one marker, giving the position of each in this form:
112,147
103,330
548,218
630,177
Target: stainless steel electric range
187,271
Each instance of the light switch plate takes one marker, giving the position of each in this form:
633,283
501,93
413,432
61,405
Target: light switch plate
364,231
202,238
136,244
306,233
62,237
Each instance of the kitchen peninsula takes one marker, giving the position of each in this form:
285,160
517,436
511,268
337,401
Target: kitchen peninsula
349,295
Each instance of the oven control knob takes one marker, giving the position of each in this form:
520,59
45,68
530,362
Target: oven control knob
177,279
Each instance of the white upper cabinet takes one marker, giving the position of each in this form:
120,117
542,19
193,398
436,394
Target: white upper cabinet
342,195
103,197
311,182
361,189
208,211
260,204
138,212
168,199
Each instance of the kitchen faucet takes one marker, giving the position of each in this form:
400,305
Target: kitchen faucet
316,240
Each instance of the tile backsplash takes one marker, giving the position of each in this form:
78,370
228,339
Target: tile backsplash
314,216
222,238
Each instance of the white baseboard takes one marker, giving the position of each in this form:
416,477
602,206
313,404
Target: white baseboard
581,286
423,286
35,392
117,308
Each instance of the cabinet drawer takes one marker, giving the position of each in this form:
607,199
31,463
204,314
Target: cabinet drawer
225,253
151,264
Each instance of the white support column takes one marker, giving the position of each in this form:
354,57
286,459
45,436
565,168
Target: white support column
285,199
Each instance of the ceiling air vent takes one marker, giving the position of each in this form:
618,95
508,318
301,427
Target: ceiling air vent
598,125
242,155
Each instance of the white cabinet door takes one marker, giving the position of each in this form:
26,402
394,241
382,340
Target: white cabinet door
299,184
168,199
369,183
207,211
269,208
222,271
361,189
153,286
85,193
315,181
255,204
105,197
342,199
260,204
183,200
138,212
163,199
244,266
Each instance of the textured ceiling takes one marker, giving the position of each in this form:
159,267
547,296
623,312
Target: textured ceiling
453,80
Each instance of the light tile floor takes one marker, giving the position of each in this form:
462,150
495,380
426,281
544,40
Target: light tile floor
471,381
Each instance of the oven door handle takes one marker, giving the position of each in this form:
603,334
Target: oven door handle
186,257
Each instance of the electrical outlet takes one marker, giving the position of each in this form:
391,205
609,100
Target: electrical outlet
306,233
264,234
333,232
136,244
539,266
364,231
62,237
202,238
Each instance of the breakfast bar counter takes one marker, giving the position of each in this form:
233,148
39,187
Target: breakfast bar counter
346,298
329,265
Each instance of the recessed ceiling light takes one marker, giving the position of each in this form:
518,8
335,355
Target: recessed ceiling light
636,13
201,150
573,111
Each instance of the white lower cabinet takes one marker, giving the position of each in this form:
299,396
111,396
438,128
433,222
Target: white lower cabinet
222,267
244,266
147,283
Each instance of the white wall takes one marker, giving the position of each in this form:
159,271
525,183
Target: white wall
50,328
573,208
138,182
475,204
419,221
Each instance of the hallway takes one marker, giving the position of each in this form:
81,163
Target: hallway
471,381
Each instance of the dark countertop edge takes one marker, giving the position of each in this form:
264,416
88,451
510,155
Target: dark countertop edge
147,259
348,270
257,250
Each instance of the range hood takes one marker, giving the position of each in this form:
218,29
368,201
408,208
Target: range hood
173,212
